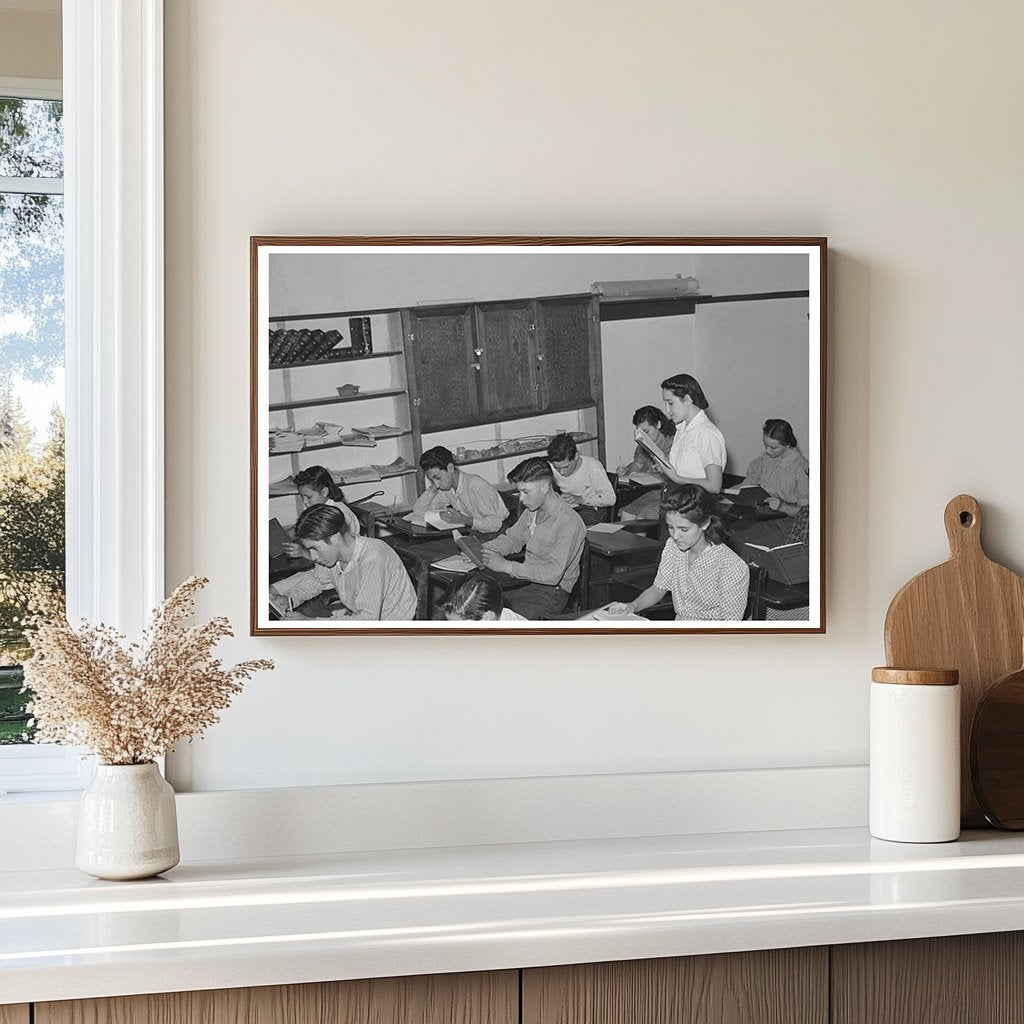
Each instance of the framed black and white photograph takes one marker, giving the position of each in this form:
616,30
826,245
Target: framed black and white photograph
532,435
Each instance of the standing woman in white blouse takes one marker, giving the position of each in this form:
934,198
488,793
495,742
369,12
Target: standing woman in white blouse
698,449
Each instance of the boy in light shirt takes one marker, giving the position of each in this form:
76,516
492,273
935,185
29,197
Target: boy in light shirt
582,480
464,499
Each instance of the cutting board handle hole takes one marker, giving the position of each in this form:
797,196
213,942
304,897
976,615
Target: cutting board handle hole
966,519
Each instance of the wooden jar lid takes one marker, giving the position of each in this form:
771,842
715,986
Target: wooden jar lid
916,676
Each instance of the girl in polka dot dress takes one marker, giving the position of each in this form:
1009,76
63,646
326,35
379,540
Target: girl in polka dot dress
706,578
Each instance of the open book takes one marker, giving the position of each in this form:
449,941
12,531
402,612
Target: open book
660,458
753,495
787,563
277,537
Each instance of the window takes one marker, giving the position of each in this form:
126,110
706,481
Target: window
32,531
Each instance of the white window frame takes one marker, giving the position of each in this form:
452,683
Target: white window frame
114,346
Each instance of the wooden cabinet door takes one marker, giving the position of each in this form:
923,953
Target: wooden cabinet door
959,979
439,350
570,345
506,348
775,986
14,1014
480,998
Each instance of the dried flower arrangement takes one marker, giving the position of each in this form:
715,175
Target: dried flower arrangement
129,704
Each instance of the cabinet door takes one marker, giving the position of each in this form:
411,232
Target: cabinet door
14,1014
960,979
440,343
570,345
506,339
774,986
482,998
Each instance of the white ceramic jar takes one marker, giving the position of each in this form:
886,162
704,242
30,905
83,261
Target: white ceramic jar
127,823
915,755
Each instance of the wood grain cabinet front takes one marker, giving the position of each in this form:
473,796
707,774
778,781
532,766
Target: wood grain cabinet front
14,1014
776,986
959,979
480,998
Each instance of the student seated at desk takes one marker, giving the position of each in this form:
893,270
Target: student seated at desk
582,480
661,430
706,578
478,598
552,536
464,498
316,486
368,576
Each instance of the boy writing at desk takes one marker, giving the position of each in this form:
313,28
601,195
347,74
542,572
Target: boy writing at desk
464,499
582,480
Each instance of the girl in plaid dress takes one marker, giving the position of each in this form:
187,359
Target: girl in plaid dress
706,578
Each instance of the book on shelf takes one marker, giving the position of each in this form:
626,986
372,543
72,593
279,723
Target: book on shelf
394,468
380,430
358,440
787,563
753,495
359,475
660,458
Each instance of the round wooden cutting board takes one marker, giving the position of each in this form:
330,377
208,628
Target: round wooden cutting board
967,614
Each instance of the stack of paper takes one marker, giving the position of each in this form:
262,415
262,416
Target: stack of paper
395,468
286,441
380,430
358,440
331,431
358,475
285,486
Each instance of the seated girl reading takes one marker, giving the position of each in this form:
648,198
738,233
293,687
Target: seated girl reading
367,575
550,534
707,580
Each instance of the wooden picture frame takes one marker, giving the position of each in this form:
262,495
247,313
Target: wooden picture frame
488,348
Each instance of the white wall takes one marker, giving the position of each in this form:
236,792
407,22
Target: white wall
892,128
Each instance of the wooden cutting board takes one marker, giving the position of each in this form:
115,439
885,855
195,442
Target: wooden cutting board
967,614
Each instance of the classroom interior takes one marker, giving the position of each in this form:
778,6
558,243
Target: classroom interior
747,346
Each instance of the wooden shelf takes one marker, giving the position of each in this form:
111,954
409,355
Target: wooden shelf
355,483
363,396
331,360
339,444
520,452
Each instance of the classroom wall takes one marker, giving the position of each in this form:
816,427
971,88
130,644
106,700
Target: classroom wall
892,128
30,43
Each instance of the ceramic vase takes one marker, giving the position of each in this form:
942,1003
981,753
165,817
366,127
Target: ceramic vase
127,825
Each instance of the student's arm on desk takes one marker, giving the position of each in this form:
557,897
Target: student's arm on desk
432,498
648,599
305,585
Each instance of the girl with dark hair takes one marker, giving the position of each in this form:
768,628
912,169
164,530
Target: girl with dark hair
316,486
783,472
367,575
550,534
659,429
478,598
698,448
706,579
